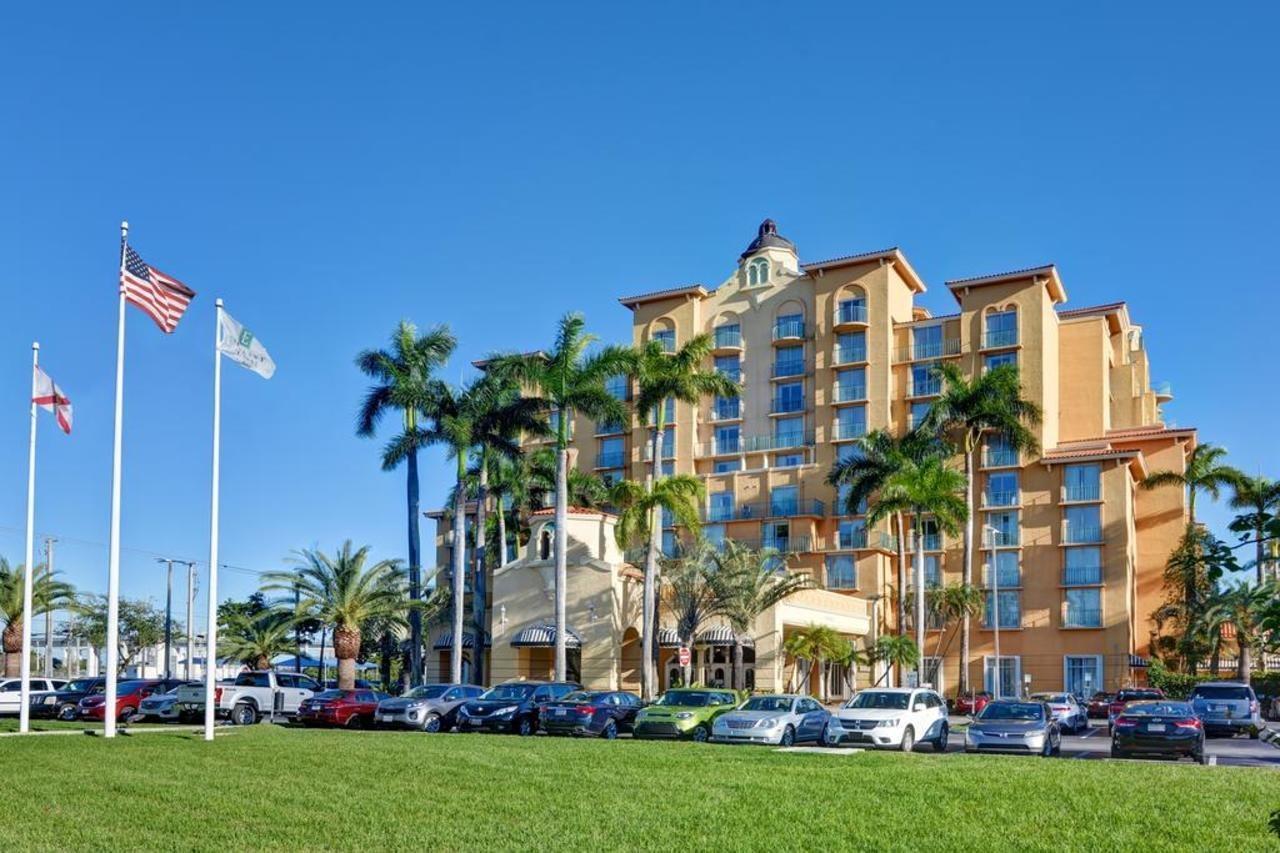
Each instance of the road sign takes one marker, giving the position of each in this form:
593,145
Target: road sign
685,657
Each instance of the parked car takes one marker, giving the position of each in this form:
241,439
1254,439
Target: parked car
511,708
1228,707
359,684
160,707
781,720
251,696
601,713
1100,704
1011,725
350,708
1160,728
895,718
65,703
1068,713
685,712
11,691
970,703
129,695
429,708
1130,694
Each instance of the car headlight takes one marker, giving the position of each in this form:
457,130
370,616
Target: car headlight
1033,735
509,709
684,715
769,722
51,700
887,724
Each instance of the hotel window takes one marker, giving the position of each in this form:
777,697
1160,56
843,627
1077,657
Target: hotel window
926,342
784,500
1082,566
932,570
668,518
1002,489
728,439
729,335
789,326
617,386
727,408
852,310
851,384
1007,571
999,452
1010,608
714,534
1084,608
919,411
721,508
789,397
789,361
851,533
777,535
991,362
851,347
670,544
1083,524
932,538
668,468
610,477
842,572
730,366
1002,329
788,432
1082,482
668,412
611,453
842,501
1006,529
726,466
609,427
553,420
789,460
925,379
669,442
666,337
1082,674
758,272
851,422
1002,678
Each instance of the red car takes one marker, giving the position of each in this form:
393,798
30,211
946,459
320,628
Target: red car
970,703
1127,695
350,708
129,696
1100,705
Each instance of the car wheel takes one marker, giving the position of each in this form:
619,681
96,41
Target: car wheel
353,722
244,714
126,713
431,723
700,734
525,727
610,731
67,713
788,737
1199,757
908,740
940,742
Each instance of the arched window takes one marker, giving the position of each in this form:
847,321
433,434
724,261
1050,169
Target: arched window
546,541
758,272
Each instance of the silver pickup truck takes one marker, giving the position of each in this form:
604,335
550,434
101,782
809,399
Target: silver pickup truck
250,697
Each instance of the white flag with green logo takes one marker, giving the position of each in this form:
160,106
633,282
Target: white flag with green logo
238,344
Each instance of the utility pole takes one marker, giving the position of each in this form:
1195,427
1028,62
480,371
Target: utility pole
297,628
168,617
191,628
48,614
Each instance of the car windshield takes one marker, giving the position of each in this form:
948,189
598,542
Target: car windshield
510,691
1158,709
881,699
768,703
687,698
427,691
83,685
1221,691
585,696
1053,698
1130,695
330,694
1019,711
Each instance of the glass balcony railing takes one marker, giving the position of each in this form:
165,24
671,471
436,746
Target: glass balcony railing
854,311
757,443
719,512
851,392
1081,575
784,329
728,338
1082,534
861,539
1081,492
999,458
612,459
845,430
727,410
790,367
850,355
1000,338
784,405
791,507
1001,497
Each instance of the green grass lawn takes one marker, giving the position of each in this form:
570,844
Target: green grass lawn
268,786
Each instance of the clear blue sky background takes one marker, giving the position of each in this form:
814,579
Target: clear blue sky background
329,170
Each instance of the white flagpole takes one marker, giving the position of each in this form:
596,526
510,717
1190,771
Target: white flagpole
24,712
211,650
113,558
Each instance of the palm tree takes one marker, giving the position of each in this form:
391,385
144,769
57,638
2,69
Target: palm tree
1261,497
256,640
586,488
402,377
47,593
564,381
814,645
1243,608
343,592
850,659
899,651
487,417
692,597
661,376
989,405
923,487
1204,472
750,583
952,603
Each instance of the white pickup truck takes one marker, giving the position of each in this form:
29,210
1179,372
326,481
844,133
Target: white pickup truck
251,696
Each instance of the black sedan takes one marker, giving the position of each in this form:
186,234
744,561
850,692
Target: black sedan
511,707
1160,727
64,704
601,713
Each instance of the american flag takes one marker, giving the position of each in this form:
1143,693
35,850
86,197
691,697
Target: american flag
162,297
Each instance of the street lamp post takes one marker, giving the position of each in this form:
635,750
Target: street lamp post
995,601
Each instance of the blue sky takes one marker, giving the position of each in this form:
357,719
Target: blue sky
328,173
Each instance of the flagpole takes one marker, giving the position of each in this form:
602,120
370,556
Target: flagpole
113,557
211,651
24,712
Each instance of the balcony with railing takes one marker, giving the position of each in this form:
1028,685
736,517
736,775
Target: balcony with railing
734,374
788,330
1002,538
1004,458
611,459
666,339
788,367
1081,493
1081,534
851,392
851,313
756,444
788,544
786,405
1082,617
1000,338
794,507
1081,575
850,355
727,339
861,539
930,387
932,541
1163,391
848,430
926,351
610,428
1001,497
727,410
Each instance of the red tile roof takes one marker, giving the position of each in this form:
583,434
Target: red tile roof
632,301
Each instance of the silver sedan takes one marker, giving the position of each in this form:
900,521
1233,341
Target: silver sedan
781,720
1008,725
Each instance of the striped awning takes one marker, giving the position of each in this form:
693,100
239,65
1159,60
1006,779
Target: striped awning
545,635
724,636
444,641
668,638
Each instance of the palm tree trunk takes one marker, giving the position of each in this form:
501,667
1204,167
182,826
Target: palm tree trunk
967,574
1244,662
561,548
649,605
346,646
459,570
415,570
686,672
739,677
1258,533
901,614
502,532
12,640
919,581
478,592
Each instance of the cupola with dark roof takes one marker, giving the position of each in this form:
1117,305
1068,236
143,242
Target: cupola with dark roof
768,237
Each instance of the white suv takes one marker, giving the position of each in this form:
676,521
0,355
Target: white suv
894,718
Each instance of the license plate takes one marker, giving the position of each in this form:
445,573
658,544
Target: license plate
1155,727
387,718
561,712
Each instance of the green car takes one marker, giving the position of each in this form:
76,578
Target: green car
684,713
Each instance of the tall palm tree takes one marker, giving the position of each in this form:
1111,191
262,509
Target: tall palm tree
923,487
988,405
661,376
953,603
850,659
586,488
1243,607
1260,497
750,583
565,381
1204,472
692,596
345,592
814,645
486,417
403,375
47,593
508,481
255,640
898,651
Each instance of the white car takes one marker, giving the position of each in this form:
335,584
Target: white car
11,691
893,718
781,720
1068,713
